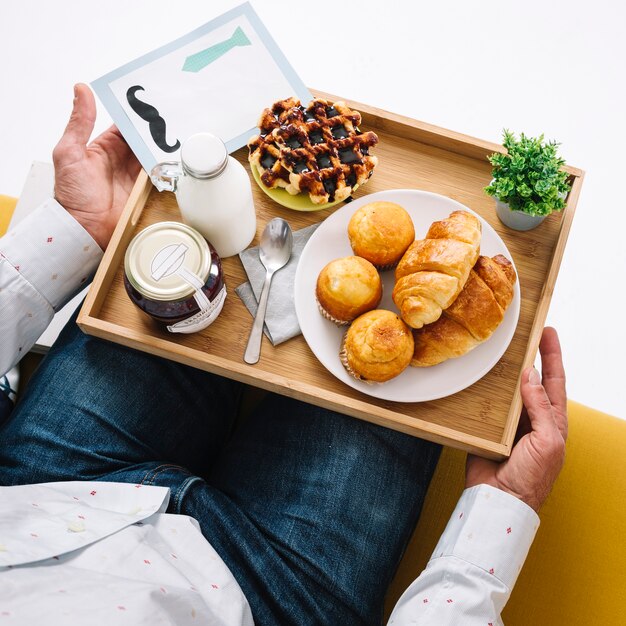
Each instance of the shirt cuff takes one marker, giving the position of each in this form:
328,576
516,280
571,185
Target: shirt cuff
492,530
53,252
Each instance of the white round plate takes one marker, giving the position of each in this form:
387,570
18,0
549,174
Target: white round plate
415,384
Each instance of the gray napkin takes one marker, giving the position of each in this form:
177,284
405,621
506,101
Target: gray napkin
281,322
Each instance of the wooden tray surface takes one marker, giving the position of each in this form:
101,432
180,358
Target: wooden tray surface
412,155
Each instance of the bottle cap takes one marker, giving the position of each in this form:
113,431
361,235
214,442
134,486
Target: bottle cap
203,156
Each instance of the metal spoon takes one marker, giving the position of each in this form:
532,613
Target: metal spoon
274,252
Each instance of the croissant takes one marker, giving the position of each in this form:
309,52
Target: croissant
472,317
433,270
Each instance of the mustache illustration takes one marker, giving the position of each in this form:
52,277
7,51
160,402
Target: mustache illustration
151,115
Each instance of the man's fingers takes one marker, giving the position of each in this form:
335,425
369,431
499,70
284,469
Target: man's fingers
553,375
81,122
537,402
83,116
552,370
523,427
118,151
111,132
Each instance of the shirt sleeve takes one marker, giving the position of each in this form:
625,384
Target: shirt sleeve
473,569
44,260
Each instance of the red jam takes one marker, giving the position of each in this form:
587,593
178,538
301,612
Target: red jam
175,276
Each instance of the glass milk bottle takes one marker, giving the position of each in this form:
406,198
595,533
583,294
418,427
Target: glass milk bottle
213,193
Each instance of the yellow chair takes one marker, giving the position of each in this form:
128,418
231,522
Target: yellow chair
7,206
576,569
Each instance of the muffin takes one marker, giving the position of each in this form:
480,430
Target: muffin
377,347
346,288
381,232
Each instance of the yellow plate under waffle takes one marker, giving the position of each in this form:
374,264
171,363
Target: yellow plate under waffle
301,202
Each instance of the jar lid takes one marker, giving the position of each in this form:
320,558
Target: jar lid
160,258
203,155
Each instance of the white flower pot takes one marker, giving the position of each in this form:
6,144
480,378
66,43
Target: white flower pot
517,220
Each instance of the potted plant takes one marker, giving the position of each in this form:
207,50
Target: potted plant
528,182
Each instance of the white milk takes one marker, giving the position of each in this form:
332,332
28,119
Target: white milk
213,192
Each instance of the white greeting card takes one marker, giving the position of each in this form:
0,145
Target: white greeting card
216,79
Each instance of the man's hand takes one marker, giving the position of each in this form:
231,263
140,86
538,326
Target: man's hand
538,455
92,182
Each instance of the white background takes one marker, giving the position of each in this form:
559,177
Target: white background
468,65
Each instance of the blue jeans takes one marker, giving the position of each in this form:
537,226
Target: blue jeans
6,406
310,509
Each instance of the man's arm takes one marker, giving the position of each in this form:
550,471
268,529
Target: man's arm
43,261
473,569
50,254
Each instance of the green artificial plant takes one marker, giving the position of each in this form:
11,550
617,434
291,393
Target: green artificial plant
529,177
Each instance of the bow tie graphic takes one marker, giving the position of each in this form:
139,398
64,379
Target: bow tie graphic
199,60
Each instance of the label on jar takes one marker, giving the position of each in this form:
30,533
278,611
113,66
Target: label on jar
209,310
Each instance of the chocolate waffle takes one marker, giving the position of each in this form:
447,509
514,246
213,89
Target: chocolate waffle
317,150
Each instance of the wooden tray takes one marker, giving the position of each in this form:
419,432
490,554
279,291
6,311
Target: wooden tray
481,419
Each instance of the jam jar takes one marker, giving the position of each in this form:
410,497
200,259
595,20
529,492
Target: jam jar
172,273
